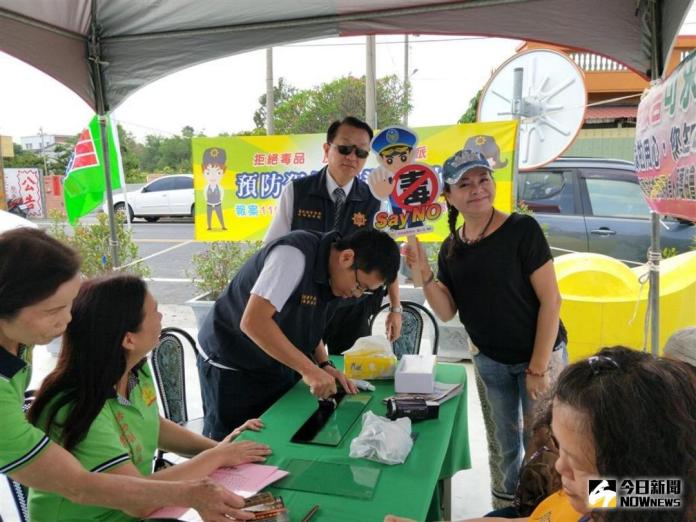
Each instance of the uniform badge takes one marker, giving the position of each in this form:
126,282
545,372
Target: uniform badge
311,214
310,300
359,219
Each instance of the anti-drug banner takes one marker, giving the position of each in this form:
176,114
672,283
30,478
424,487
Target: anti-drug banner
666,143
410,188
236,195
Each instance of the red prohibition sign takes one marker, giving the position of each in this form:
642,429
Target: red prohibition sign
425,174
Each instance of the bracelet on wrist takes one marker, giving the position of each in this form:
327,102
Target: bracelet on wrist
536,374
430,279
324,364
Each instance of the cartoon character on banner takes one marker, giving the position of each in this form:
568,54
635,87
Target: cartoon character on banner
395,148
487,146
214,165
411,188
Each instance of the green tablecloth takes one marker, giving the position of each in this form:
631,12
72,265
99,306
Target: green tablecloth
440,450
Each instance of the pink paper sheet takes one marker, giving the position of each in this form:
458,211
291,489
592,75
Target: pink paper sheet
244,480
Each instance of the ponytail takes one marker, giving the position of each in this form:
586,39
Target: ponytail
452,215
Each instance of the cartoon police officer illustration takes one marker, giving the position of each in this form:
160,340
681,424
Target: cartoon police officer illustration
487,146
394,147
214,165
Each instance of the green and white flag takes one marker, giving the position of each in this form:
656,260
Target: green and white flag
84,185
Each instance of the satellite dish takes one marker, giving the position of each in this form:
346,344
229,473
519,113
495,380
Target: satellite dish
552,106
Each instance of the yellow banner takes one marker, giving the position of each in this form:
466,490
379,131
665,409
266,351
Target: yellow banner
6,147
244,175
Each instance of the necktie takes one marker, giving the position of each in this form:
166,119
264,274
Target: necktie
340,200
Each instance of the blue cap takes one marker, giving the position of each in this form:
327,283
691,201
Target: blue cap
461,163
214,156
393,136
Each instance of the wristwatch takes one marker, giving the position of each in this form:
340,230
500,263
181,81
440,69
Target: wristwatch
324,364
396,309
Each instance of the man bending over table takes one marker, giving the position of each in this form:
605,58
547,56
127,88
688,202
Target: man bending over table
264,332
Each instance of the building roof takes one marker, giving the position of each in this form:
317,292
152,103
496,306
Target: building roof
609,112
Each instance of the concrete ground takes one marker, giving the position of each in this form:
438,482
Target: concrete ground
470,488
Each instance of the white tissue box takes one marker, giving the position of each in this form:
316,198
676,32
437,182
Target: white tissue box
415,374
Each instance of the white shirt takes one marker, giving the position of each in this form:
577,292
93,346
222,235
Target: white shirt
280,276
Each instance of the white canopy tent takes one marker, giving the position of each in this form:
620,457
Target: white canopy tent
105,50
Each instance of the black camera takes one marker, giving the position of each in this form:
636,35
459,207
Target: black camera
414,409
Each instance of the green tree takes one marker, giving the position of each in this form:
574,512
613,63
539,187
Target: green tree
281,93
130,155
311,110
258,131
61,157
149,156
470,115
92,242
175,153
56,160
23,158
160,154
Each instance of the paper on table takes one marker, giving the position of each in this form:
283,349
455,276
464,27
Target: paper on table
442,393
247,479
244,480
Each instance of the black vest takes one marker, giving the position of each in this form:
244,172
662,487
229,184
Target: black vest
313,209
302,319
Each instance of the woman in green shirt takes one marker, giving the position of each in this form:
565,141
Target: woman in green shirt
100,401
39,278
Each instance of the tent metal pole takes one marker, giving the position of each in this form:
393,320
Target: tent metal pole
516,109
113,239
94,49
270,101
370,81
654,254
654,292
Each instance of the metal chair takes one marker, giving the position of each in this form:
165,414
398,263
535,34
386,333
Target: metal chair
20,493
415,321
169,370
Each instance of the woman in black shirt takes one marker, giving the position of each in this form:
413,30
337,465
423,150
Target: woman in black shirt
497,272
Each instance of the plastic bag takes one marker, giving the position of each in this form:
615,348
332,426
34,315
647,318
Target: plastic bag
383,440
370,357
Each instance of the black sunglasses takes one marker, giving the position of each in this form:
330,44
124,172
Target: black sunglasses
347,149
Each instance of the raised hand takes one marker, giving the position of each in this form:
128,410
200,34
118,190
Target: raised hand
381,183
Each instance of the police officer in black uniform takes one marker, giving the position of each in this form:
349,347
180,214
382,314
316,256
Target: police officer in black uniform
336,199
264,333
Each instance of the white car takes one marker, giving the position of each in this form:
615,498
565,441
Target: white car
170,195
9,221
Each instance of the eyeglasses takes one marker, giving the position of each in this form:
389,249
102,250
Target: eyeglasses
599,363
347,149
359,288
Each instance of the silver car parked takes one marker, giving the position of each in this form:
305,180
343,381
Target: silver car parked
596,205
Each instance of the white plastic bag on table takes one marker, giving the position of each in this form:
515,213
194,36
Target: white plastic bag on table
383,440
